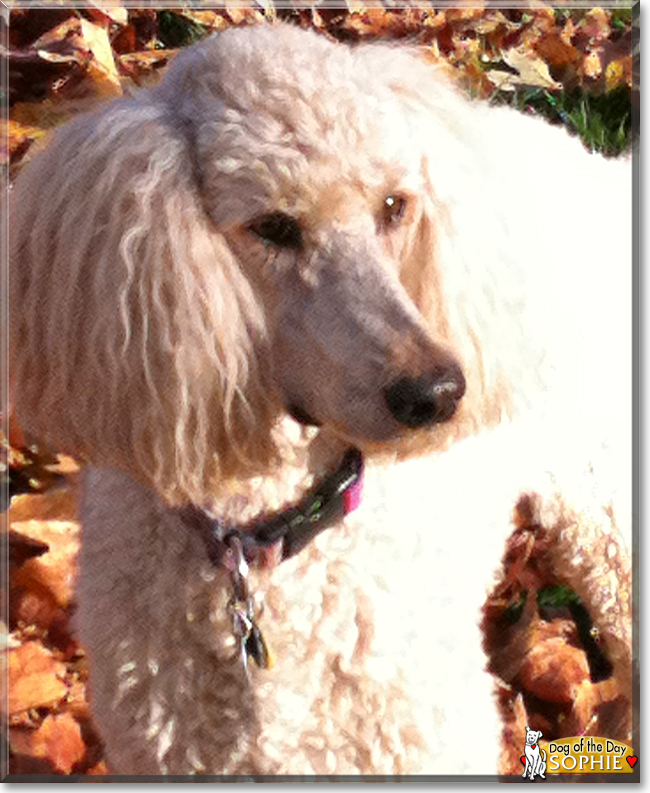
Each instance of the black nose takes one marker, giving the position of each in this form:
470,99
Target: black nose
428,399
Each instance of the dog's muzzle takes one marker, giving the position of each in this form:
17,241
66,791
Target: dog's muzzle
427,399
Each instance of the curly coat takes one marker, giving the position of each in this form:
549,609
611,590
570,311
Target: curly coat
157,335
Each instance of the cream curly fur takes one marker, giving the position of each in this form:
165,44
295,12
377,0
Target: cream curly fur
156,337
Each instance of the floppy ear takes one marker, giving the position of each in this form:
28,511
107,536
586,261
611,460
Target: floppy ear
136,341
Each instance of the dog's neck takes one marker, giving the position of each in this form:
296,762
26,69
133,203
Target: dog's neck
282,535
270,539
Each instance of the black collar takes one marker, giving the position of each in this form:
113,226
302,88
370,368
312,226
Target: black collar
294,527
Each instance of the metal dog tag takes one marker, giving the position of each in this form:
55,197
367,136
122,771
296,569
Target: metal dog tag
241,608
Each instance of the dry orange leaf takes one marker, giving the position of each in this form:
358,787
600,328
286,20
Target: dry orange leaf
554,49
144,62
591,65
553,670
465,14
54,504
43,115
58,740
209,19
99,769
15,138
34,677
435,20
56,569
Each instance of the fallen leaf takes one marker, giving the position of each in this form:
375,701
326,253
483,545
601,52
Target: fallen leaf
43,116
591,65
77,704
138,65
555,50
102,67
59,41
553,670
15,137
242,15
37,606
56,569
596,24
54,504
544,18
22,548
465,14
208,19
58,740
124,40
33,677
99,769
532,72
102,15
615,73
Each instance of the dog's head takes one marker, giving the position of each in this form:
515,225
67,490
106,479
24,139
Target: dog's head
253,236
310,161
532,736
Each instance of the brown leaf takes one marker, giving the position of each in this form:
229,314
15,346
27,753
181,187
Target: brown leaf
544,18
37,607
242,15
553,670
102,66
374,22
555,50
99,769
55,504
209,19
56,569
58,740
43,115
124,40
33,676
22,548
59,41
596,24
105,16
15,138
142,64
465,14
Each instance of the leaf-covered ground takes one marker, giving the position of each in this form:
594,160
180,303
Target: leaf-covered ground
575,67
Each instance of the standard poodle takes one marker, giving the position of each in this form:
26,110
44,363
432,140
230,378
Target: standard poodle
292,269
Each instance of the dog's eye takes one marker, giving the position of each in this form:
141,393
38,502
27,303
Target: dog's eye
278,229
393,210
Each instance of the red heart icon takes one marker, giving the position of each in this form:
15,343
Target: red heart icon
523,759
631,761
